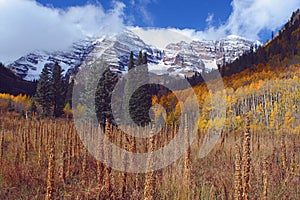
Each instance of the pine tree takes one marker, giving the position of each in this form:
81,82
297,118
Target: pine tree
103,97
145,59
86,86
10,106
32,109
59,88
44,92
141,100
69,92
131,62
128,88
139,60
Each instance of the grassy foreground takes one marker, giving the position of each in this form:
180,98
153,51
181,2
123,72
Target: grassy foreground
46,160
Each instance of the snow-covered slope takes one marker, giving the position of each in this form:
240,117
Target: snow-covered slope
30,66
169,52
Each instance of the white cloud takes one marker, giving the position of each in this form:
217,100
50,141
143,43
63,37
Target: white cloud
146,16
209,19
26,26
140,6
132,2
248,19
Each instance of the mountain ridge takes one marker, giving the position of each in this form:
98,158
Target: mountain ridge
181,58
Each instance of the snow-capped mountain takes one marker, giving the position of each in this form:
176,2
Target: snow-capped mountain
182,57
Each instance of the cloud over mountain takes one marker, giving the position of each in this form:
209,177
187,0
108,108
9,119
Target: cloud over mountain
27,26
248,19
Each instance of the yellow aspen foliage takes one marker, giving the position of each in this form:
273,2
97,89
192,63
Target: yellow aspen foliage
202,124
154,100
288,119
217,123
67,110
238,121
79,109
274,116
177,111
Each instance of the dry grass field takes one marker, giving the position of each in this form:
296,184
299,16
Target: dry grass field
46,160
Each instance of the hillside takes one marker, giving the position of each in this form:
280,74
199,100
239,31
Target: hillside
263,85
12,84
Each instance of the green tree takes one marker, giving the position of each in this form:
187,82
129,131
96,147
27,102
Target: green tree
103,96
138,99
128,87
141,100
59,90
10,106
32,109
69,92
131,61
139,59
44,92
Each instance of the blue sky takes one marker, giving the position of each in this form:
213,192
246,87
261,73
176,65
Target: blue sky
31,25
191,14
163,13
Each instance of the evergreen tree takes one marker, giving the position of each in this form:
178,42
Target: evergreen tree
139,60
32,109
59,88
44,92
103,97
86,89
22,115
69,92
145,59
141,101
10,106
128,88
131,61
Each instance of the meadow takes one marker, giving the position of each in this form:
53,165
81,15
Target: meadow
45,159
